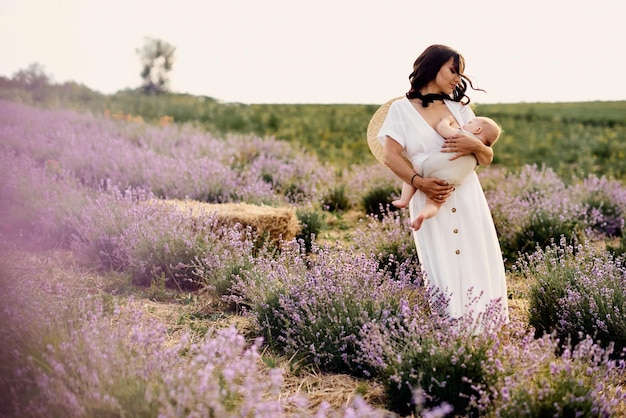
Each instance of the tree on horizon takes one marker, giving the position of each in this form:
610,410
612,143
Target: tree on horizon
157,59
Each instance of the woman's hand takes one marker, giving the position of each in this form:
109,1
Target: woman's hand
436,189
465,145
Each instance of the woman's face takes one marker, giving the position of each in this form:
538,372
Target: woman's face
447,77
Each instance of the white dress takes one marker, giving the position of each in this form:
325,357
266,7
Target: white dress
458,248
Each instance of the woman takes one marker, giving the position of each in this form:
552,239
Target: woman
458,248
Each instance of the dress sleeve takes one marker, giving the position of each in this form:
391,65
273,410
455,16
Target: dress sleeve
394,126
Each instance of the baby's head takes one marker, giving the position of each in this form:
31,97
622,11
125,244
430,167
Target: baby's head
486,129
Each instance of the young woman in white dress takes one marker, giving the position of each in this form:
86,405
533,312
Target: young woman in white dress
458,249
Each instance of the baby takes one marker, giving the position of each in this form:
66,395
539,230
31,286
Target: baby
438,164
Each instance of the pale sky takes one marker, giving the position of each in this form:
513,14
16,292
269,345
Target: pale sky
325,51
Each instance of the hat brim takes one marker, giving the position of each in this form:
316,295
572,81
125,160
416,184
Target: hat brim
373,128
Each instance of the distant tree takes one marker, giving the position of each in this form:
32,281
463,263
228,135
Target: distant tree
33,77
157,59
5,82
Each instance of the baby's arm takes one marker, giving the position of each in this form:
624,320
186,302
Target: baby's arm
448,127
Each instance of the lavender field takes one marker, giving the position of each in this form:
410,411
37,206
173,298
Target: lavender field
115,303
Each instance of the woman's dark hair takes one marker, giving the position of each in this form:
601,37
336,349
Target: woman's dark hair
427,66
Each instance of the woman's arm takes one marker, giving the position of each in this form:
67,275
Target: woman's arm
465,144
435,189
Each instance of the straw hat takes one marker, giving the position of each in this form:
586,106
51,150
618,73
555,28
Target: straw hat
376,122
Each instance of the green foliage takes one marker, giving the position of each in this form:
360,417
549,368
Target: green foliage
392,256
545,295
564,389
336,199
312,222
451,373
333,330
67,95
578,291
543,228
221,278
566,397
271,324
377,200
33,78
595,113
574,139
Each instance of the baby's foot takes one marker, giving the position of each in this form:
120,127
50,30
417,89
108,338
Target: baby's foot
400,204
417,222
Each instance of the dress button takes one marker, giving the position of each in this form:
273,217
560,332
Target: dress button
456,231
458,252
453,210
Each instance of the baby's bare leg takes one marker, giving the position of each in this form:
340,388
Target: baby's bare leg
407,193
429,210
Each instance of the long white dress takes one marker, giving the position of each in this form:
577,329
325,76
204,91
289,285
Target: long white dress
458,248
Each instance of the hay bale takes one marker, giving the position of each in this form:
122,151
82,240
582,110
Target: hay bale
275,223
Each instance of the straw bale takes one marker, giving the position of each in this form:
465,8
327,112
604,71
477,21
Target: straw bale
276,223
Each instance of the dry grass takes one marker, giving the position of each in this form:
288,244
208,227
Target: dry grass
335,389
518,291
339,227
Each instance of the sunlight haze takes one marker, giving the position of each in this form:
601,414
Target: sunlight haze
341,51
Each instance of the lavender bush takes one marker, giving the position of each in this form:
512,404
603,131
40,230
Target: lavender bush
317,308
580,382
389,241
486,368
535,206
577,291
38,199
175,161
444,360
221,379
67,354
151,239
360,180
95,368
605,203
454,373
